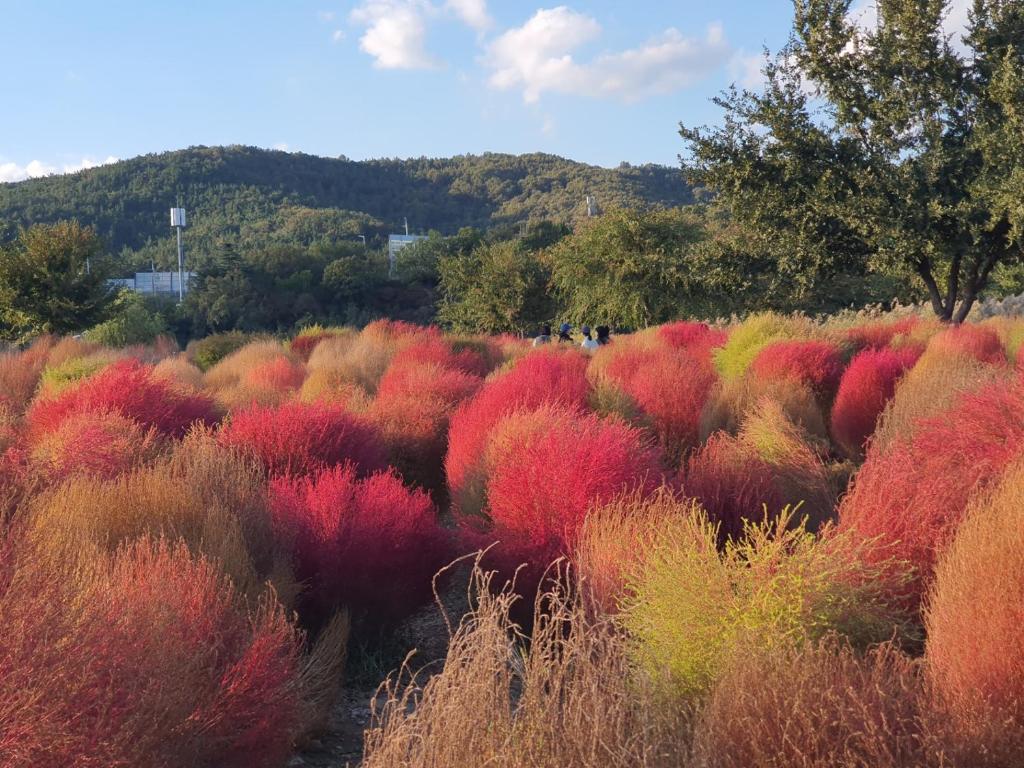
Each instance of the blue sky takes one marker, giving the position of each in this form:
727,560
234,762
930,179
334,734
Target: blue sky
594,80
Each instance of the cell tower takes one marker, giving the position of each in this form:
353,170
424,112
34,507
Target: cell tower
178,222
591,206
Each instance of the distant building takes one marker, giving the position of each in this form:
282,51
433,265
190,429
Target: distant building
152,282
397,243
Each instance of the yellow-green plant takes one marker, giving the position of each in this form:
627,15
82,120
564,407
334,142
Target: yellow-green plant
751,336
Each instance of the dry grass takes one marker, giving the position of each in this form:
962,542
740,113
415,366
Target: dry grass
732,401
569,699
180,371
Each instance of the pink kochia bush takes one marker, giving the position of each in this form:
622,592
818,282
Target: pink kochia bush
146,657
907,501
546,469
974,341
670,388
879,335
303,438
815,364
102,445
544,377
696,338
866,387
370,545
130,389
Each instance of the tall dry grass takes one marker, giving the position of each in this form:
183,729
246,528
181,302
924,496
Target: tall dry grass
569,698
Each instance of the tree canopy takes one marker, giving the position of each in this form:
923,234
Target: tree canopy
893,149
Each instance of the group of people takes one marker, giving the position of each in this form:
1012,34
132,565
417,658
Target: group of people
565,336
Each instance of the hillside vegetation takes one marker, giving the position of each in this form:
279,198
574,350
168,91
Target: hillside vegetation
245,197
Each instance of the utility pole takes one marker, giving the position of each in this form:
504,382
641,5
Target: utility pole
178,222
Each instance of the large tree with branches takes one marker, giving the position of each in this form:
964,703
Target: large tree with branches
892,145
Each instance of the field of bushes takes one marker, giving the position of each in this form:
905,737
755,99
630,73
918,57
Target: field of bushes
773,543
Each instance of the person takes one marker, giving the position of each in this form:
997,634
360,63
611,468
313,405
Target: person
603,335
589,345
545,336
564,333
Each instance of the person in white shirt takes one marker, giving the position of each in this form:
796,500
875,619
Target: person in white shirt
544,337
588,345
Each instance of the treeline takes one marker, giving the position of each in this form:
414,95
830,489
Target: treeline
247,198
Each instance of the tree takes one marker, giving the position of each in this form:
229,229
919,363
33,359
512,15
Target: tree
54,281
886,149
631,269
497,288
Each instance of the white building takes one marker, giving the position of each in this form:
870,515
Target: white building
152,282
397,243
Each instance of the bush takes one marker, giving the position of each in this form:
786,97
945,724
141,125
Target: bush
180,372
19,374
768,465
817,365
545,470
543,377
908,500
57,378
369,545
865,389
203,495
977,341
881,334
748,338
731,402
133,323
308,338
146,657
693,337
669,390
695,608
817,706
975,648
102,445
207,352
130,389
302,439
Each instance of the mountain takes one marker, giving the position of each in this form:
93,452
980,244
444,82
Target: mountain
245,197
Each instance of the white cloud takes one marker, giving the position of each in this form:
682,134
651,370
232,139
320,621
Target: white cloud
745,69
281,146
337,35
396,32
13,172
473,13
538,57
326,16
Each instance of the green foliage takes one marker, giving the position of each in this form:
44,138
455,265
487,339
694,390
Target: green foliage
133,322
631,269
497,288
59,377
53,280
750,337
915,167
694,607
209,351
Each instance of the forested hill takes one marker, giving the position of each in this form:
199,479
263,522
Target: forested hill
248,197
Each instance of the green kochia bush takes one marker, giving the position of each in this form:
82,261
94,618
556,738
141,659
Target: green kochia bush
693,607
208,352
751,336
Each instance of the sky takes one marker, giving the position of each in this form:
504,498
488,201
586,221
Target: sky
600,81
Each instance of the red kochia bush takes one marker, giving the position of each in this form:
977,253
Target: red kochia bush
546,376
129,388
693,337
816,364
303,438
543,481
670,388
143,658
909,499
369,545
102,445
878,335
866,387
280,374
974,341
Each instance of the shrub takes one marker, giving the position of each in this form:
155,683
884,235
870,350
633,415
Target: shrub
977,341
545,470
814,364
133,323
669,390
975,649
209,498
909,499
731,402
207,352
694,607
308,338
768,465
102,445
542,377
146,657
879,335
180,372
693,337
130,389
748,338
369,545
232,369
57,378
19,375
301,439
817,706
866,387
569,697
